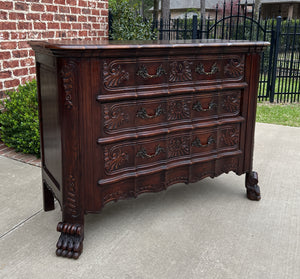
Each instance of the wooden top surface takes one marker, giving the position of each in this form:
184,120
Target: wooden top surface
106,44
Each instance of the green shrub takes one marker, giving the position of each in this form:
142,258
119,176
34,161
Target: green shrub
127,24
19,123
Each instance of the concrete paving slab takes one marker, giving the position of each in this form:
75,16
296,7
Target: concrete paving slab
202,230
20,187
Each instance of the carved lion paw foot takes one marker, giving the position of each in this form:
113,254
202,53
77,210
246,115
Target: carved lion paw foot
253,190
70,242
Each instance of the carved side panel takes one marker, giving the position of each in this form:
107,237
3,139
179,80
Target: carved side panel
230,137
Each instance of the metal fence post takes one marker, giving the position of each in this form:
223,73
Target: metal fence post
194,32
276,42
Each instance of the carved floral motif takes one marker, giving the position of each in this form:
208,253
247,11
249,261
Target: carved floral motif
231,103
179,146
114,75
234,68
180,71
67,75
114,117
114,159
230,137
178,110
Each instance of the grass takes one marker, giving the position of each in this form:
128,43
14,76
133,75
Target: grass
281,114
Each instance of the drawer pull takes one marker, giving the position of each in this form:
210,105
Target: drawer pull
197,142
200,69
198,107
142,113
142,153
143,72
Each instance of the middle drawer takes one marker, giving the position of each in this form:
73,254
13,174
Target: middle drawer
147,114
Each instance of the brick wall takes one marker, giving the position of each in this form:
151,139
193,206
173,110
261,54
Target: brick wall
23,20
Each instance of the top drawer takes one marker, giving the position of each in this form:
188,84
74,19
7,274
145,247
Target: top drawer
134,74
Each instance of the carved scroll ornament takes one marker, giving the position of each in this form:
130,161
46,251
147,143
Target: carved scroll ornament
114,75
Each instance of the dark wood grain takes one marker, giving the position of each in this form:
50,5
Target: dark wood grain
119,119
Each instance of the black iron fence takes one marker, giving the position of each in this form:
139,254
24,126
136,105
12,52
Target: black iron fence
280,65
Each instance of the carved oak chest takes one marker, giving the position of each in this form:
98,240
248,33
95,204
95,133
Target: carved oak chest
119,119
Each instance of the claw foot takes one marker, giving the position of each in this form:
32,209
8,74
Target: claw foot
253,190
70,242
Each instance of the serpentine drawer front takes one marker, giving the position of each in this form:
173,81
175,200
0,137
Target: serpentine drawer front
119,119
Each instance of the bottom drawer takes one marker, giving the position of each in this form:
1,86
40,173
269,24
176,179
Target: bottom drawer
161,180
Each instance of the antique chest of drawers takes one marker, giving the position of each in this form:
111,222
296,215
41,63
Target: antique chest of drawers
119,119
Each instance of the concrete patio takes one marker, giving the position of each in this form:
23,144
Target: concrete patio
207,229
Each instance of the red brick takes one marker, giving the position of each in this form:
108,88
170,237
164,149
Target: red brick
18,35
1,85
96,26
60,2
71,2
76,26
39,25
65,26
32,70
48,35
47,17
21,6
34,1
47,1
86,11
8,45
59,17
63,9
86,26
4,36
6,5
34,35
10,64
72,34
51,8
37,7
75,11
82,3
11,83
5,74
104,12
24,25
5,55
27,62
16,16
20,53
82,19
31,52
92,19
3,15
20,72
60,34
23,44
71,18
8,25
82,33
53,25
100,5
96,12
31,16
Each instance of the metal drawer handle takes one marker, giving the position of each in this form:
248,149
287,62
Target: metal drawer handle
142,113
143,72
200,69
197,142
198,107
142,153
